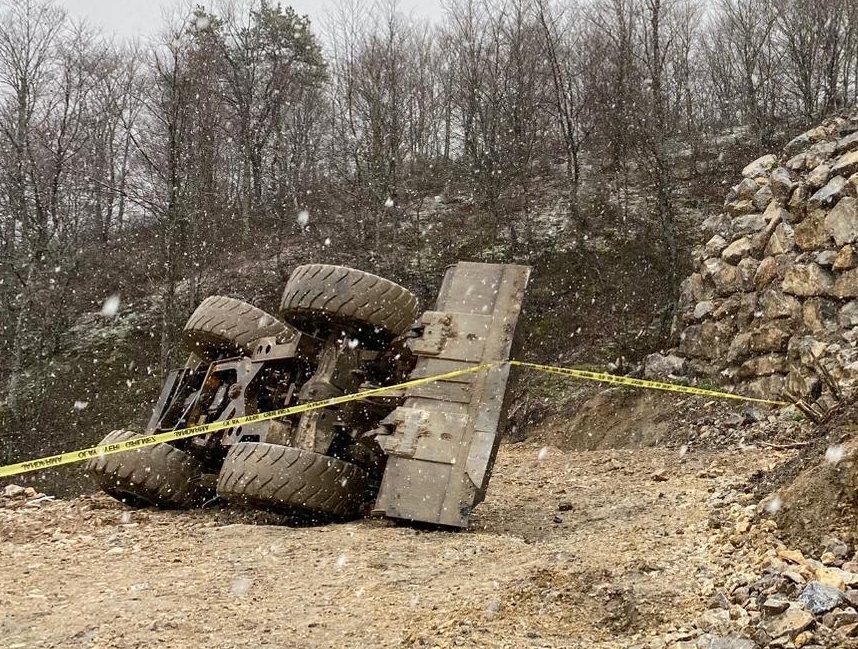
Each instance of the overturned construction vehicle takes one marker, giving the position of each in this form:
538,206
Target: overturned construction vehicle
420,453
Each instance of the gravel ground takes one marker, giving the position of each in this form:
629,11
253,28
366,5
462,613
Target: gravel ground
602,548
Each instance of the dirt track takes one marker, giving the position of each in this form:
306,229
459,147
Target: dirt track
630,556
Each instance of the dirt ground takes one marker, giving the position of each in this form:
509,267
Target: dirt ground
603,548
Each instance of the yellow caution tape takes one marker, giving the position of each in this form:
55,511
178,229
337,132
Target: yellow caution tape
150,440
82,455
642,383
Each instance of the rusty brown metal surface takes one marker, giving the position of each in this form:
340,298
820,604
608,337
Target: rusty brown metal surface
442,441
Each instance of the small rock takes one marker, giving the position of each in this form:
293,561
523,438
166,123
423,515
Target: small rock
802,639
851,597
839,618
664,366
718,601
762,197
714,621
846,164
830,577
781,183
798,143
13,491
760,166
845,577
715,246
734,419
683,644
797,162
708,641
746,189
828,558
564,506
558,519
759,636
793,556
789,623
741,595
828,195
717,224
660,475
819,598
837,547
849,630
774,605
819,176
848,143
748,224
846,259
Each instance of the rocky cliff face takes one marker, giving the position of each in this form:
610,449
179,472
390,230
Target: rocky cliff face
776,283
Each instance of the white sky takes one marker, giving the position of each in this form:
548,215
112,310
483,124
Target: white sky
129,18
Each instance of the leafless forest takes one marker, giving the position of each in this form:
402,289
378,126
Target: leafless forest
250,137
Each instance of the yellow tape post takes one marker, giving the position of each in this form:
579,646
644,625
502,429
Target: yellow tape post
82,455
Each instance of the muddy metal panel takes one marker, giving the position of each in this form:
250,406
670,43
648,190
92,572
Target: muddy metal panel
444,438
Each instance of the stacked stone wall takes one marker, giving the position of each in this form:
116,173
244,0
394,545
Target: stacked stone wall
776,283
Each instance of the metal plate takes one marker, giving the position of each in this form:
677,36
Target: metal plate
443,440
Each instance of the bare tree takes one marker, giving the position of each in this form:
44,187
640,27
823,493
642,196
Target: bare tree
28,38
743,40
568,55
269,56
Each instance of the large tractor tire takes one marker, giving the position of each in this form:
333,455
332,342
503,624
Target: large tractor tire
226,326
292,480
372,309
160,476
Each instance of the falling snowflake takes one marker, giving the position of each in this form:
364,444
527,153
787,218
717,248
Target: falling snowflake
683,450
492,607
203,22
241,585
353,343
388,203
774,505
341,561
110,306
328,241
543,454
303,218
835,453
81,405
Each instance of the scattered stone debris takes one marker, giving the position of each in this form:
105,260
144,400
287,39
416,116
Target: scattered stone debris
772,596
14,496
